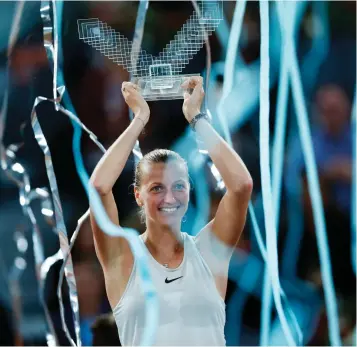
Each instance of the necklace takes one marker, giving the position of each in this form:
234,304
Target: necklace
177,246
166,264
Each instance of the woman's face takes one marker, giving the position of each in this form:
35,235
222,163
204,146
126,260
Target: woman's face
164,192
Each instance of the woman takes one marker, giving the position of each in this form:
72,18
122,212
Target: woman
189,273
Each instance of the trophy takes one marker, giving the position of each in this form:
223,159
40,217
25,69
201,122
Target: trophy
158,77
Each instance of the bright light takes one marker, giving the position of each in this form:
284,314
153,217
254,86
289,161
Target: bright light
20,263
18,168
22,201
47,212
22,244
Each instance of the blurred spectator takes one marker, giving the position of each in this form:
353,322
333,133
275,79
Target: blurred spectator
26,60
347,307
350,339
339,240
90,281
105,331
90,288
347,322
332,141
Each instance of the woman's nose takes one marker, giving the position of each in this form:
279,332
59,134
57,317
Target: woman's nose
170,197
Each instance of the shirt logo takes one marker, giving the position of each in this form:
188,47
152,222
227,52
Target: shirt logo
174,279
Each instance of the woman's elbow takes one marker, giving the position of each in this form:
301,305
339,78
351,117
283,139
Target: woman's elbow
248,186
99,186
244,187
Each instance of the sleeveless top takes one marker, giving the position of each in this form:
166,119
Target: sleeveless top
192,312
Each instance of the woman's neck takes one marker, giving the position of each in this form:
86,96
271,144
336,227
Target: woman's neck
163,237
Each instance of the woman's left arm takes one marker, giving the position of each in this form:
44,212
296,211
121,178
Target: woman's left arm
230,217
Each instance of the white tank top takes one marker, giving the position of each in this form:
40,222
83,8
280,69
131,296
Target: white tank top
192,312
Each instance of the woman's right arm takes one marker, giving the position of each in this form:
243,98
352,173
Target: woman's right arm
107,172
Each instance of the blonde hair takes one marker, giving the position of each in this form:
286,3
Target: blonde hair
154,157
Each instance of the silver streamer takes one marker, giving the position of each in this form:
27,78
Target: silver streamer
66,247
208,54
61,227
138,36
17,269
67,257
51,45
17,173
50,37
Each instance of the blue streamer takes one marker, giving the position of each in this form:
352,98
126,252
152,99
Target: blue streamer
151,299
278,155
50,36
309,70
311,63
354,188
320,45
313,183
278,151
201,158
237,300
230,66
202,192
242,102
222,33
269,217
227,88
248,285
139,252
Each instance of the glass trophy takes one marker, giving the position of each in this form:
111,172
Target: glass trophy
158,78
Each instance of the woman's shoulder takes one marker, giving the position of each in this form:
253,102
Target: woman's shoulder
188,237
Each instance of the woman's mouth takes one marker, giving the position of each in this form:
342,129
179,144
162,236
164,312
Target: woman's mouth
169,209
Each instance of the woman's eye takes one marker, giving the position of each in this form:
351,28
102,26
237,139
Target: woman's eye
156,189
179,186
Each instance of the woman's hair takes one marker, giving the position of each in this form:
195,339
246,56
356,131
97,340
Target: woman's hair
154,157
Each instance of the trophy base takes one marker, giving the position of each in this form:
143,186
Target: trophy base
162,87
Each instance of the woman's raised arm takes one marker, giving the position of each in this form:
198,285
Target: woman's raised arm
231,214
109,169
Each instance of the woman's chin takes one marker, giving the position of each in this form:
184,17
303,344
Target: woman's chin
170,220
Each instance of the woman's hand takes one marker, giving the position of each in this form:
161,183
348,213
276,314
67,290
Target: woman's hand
135,101
192,102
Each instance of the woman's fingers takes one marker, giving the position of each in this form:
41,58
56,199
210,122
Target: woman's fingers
196,80
185,84
192,82
186,95
195,83
129,86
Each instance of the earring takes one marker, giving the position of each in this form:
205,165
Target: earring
184,219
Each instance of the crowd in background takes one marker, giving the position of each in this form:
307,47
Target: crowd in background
94,84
